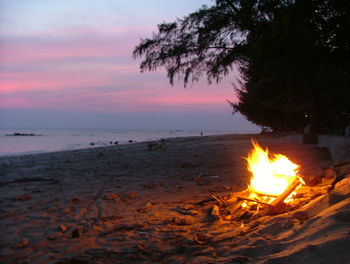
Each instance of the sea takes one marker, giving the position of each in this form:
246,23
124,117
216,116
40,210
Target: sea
51,140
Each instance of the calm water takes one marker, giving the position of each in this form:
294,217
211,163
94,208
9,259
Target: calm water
59,139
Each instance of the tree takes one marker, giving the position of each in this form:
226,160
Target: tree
289,54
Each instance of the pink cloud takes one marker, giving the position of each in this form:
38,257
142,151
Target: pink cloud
73,43
83,31
84,70
42,82
26,53
183,100
97,99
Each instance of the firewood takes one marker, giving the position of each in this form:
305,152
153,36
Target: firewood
229,235
254,201
278,202
215,213
232,198
219,200
235,207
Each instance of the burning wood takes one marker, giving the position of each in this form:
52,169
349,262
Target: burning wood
275,204
274,180
272,175
273,189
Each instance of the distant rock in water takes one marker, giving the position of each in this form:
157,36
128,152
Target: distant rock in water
23,134
130,141
92,144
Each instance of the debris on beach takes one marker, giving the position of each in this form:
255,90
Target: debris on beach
23,197
62,228
21,244
75,233
111,196
154,146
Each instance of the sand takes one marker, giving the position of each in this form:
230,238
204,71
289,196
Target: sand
138,203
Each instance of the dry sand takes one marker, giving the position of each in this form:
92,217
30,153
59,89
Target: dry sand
129,204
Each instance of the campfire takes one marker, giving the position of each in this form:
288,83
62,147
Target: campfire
276,186
274,177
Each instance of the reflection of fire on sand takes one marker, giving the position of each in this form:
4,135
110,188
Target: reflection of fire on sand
190,201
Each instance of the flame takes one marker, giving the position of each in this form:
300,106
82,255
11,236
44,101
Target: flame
271,173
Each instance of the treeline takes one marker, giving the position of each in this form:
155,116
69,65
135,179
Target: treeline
293,56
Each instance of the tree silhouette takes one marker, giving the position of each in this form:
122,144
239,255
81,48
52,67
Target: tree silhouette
292,56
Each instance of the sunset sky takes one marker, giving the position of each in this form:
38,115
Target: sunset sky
68,64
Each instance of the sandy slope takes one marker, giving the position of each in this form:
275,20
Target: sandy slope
127,204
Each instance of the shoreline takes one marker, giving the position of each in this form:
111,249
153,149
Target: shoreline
88,148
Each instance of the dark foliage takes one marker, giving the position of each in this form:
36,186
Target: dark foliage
293,56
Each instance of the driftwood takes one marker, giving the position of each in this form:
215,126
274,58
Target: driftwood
279,200
234,208
255,208
276,204
219,199
251,200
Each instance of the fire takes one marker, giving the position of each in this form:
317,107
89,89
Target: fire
271,173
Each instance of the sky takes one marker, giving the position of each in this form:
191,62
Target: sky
68,64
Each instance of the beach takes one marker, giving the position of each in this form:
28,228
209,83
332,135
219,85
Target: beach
142,203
